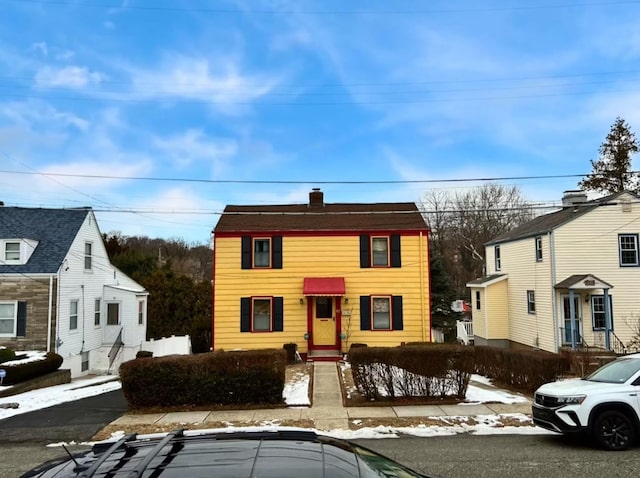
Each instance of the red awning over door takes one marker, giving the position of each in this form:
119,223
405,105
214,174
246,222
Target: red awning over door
327,286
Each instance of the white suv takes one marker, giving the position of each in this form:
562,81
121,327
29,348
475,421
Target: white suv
606,404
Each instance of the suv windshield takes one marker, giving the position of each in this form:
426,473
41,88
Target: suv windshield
618,371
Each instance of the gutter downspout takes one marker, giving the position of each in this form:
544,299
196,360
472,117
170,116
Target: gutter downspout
554,304
50,313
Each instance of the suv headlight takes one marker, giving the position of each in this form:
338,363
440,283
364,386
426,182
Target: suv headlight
572,400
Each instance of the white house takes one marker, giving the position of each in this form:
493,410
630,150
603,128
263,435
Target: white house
564,279
59,292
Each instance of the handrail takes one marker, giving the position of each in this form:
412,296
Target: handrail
617,345
115,348
464,331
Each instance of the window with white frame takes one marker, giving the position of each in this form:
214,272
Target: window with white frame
598,313
88,256
73,315
628,249
140,312
113,313
477,300
380,251
261,320
96,312
381,313
12,251
8,318
85,362
262,253
538,249
531,302
496,251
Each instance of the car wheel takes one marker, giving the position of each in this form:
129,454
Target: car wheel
614,431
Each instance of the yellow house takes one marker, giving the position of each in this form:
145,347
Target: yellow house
322,276
564,279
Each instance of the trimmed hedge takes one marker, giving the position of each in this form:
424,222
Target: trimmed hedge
524,369
6,354
412,371
25,371
216,378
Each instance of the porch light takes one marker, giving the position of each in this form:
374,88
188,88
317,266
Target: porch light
301,301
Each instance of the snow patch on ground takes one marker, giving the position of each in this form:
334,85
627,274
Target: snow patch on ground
296,391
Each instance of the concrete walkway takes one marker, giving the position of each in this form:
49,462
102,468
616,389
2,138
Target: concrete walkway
327,411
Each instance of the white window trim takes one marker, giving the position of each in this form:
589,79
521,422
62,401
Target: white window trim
637,252
531,302
538,242
119,304
88,257
143,312
390,302
77,314
388,261
497,258
15,317
97,312
593,317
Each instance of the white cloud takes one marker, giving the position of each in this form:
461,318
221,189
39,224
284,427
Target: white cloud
67,77
222,83
38,115
65,55
193,145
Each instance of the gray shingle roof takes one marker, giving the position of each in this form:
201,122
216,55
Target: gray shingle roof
548,222
485,279
54,229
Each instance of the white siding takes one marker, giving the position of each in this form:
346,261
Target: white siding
86,286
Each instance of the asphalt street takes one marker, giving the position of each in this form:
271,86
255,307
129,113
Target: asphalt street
72,421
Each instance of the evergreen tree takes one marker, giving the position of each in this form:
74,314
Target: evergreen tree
612,172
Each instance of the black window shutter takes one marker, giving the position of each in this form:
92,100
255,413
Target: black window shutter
246,252
278,314
365,312
245,314
22,319
365,254
397,312
276,252
395,251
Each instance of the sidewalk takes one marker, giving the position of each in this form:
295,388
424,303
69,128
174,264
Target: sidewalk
327,411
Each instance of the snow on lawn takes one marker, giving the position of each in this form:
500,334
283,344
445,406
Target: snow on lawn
296,390
50,396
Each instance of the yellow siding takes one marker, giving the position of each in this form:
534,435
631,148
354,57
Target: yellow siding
589,245
327,256
479,316
497,311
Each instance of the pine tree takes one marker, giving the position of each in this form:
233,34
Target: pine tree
612,172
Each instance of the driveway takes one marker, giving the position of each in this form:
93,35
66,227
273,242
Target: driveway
72,421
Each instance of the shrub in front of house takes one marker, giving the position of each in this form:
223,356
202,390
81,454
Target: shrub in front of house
523,369
144,354
412,371
21,372
6,354
216,378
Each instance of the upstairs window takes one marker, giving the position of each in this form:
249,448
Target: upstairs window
380,251
261,252
88,248
628,249
12,251
538,249
496,251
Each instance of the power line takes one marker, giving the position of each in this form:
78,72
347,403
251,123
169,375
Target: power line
301,182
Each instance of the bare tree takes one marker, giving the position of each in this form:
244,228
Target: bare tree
461,223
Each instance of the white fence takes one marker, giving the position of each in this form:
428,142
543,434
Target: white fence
465,331
168,346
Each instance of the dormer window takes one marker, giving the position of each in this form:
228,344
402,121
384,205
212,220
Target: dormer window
12,251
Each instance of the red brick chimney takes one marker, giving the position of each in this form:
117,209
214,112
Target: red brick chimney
316,198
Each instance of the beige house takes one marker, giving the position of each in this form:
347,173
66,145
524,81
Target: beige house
564,279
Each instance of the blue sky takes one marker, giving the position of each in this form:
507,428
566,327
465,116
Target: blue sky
308,93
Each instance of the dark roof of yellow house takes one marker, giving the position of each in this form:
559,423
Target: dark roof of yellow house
320,216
